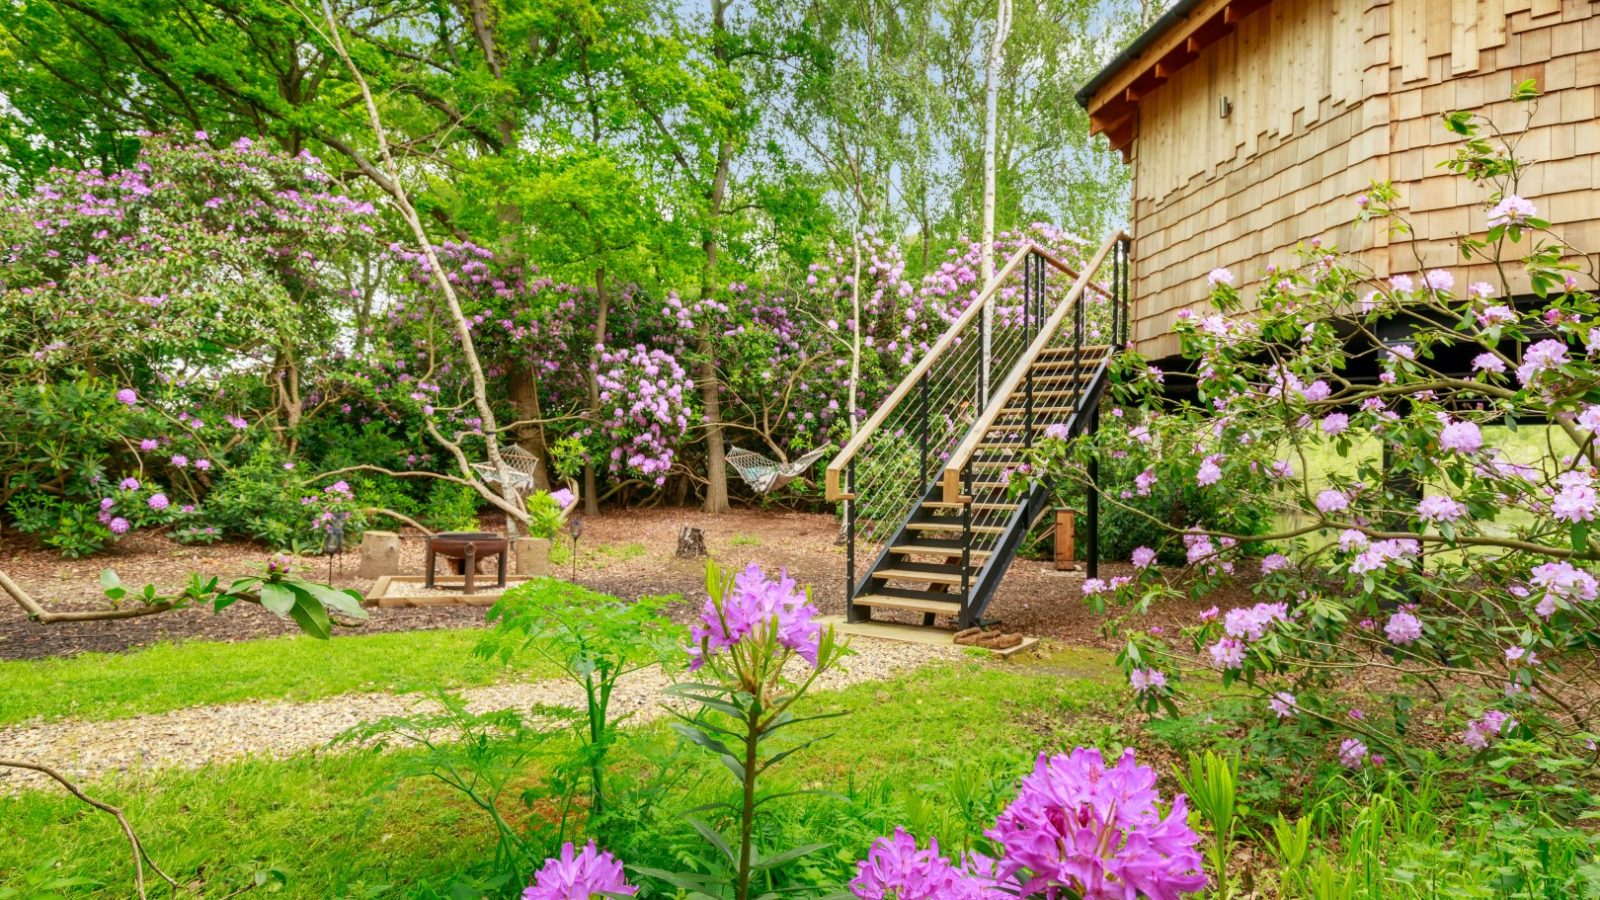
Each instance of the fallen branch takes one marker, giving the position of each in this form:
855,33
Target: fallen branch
400,517
141,857
43,616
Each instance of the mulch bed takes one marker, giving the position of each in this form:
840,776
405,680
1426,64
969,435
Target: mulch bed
624,553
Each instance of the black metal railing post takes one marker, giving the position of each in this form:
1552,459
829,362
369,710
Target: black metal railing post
966,539
1127,290
1116,295
1092,551
850,543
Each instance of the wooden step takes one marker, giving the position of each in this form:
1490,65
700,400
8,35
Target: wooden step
1038,410
1038,395
937,607
953,526
1007,445
921,577
1086,349
1062,379
938,551
956,504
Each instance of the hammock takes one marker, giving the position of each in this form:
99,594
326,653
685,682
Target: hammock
522,464
765,475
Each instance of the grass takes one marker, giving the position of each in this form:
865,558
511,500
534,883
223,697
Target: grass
199,673
316,819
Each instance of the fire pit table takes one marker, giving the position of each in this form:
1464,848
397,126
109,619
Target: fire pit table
466,548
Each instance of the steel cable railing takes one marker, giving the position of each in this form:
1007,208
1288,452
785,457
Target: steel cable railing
892,462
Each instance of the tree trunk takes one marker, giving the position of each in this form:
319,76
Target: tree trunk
522,387
591,498
710,388
991,117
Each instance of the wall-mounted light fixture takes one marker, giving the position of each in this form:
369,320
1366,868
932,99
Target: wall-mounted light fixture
1224,107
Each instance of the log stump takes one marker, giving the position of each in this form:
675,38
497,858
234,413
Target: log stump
691,543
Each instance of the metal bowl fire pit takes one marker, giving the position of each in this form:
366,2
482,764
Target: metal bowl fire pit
464,549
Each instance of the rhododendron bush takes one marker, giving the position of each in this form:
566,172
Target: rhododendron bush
1419,547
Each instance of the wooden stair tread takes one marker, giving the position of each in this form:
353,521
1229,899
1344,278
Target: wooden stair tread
913,575
956,504
1082,348
936,551
954,526
940,607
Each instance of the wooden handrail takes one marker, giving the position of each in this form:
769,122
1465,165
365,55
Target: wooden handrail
836,467
963,453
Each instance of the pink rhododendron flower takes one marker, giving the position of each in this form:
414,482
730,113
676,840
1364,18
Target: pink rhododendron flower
127,397
1228,654
1512,210
148,444
1273,562
1207,615
1351,753
1440,509
592,873
1488,362
1403,628
563,498
1499,314
1209,472
128,484
1143,557
1146,680
1331,501
1487,728
158,502
1541,357
1282,703
1098,831
179,460
118,525
1461,437
1439,280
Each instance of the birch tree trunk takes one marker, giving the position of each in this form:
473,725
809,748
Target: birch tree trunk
991,128
507,500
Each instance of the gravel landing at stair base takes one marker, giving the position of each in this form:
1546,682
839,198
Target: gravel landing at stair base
189,738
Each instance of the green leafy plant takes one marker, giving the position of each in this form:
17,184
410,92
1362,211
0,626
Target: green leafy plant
594,640
750,630
1212,786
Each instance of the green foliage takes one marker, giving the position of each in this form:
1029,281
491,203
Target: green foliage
259,499
594,641
1211,785
451,507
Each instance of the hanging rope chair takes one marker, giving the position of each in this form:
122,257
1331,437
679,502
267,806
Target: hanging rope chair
766,475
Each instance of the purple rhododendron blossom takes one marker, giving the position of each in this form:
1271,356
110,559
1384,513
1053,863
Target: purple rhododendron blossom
1461,437
579,876
129,484
1440,509
127,397
896,870
1143,557
1146,680
1332,501
757,602
119,525
1403,628
158,502
1283,704
563,498
1097,830
1352,753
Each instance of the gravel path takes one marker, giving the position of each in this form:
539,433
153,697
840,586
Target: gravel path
194,737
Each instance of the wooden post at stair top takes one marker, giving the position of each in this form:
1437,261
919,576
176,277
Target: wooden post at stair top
1066,549
1091,567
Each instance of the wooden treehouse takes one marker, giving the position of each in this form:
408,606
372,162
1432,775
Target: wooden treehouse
1252,125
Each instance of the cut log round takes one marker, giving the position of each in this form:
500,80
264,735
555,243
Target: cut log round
691,542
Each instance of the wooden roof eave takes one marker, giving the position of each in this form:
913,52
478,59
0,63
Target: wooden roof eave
1114,101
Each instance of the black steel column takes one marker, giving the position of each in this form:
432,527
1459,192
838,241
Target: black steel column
922,391
1092,551
850,542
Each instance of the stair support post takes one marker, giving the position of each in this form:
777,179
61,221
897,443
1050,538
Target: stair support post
922,429
1092,545
966,548
851,613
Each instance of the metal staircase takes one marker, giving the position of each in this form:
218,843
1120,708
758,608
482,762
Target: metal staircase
930,521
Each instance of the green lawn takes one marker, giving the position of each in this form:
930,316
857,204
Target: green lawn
199,673
897,754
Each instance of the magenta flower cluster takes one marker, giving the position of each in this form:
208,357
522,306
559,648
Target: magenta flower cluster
589,874
755,605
